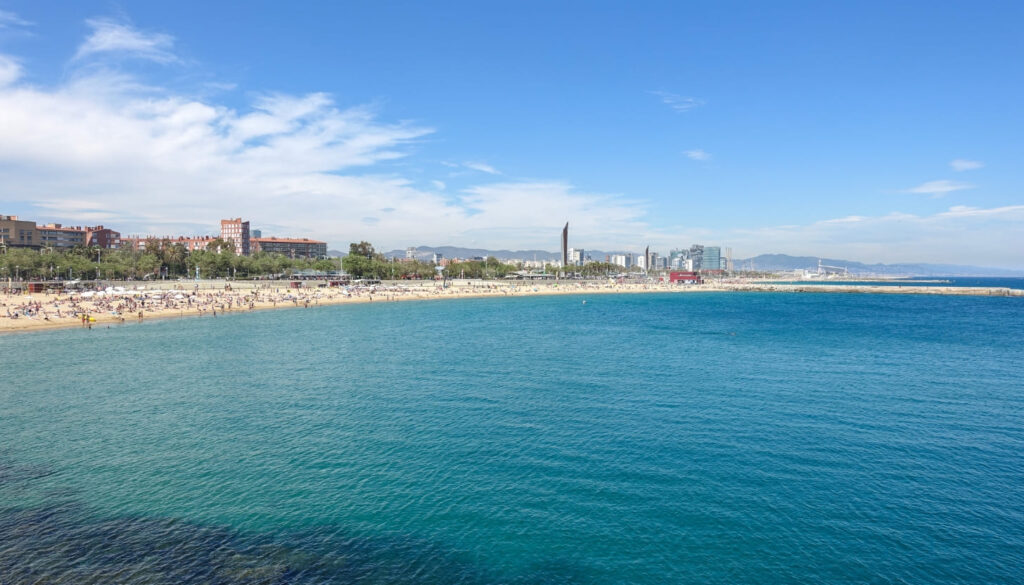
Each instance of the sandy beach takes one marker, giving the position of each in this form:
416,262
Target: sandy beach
124,305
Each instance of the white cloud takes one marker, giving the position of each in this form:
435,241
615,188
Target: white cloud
110,36
9,19
677,102
697,154
105,147
939,188
473,166
960,235
847,219
961,164
482,167
10,70
520,213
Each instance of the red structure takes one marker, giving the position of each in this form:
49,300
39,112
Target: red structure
101,237
685,277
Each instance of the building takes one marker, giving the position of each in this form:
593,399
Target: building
712,258
17,233
684,277
256,233
438,257
623,260
410,253
190,243
291,247
576,257
101,237
54,235
696,255
236,231
565,245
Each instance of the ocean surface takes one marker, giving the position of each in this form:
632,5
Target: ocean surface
959,281
680,438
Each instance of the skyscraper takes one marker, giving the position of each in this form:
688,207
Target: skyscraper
565,245
712,258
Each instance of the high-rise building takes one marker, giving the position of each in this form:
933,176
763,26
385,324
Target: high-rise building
255,234
236,231
576,257
623,260
565,245
712,258
697,257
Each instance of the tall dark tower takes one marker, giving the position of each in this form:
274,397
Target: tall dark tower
647,259
565,245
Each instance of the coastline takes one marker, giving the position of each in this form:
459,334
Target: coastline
59,311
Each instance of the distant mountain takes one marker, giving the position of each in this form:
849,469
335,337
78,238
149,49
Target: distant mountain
782,262
427,253
764,262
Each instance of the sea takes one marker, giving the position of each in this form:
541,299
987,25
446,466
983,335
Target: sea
699,438
955,281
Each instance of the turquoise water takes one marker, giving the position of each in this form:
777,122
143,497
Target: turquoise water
688,438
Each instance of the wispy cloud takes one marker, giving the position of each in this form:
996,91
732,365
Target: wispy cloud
9,19
960,164
677,102
482,167
939,188
113,37
439,185
847,219
697,154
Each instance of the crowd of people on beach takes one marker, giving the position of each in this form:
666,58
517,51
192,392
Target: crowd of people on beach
117,304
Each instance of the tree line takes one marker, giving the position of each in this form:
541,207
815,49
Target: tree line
159,258
363,261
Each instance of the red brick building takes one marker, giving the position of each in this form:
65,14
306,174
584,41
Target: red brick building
101,237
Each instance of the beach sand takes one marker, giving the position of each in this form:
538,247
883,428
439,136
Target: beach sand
36,311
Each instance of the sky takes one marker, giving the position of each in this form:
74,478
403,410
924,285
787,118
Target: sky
869,131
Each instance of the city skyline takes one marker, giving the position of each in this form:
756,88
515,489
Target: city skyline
872,132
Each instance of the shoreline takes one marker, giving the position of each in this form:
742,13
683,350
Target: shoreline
61,311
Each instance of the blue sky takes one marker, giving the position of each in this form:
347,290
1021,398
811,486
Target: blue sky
881,132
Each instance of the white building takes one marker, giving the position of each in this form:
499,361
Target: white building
576,257
623,260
